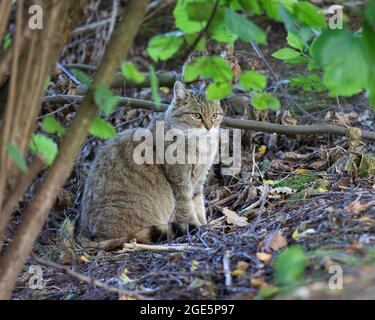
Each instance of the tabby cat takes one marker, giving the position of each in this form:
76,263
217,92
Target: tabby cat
149,202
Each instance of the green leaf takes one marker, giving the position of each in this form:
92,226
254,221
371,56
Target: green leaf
130,71
6,42
295,42
252,80
199,11
43,146
214,67
219,31
263,100
17,156
243,28
310,82
218,90
102,129
51,125
251,6
190,38
309,14
182,20
290,265
82,77
346,68
286,54
105,100
370,11
154,85
163,47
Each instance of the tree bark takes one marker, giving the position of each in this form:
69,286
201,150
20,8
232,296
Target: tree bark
36,213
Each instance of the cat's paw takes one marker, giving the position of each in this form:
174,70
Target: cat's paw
181,229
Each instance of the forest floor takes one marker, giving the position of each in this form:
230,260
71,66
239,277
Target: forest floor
290,191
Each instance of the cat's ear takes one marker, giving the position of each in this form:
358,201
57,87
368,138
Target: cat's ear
180,93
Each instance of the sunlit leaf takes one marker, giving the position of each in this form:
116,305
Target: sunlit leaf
102,129
17,156
43,146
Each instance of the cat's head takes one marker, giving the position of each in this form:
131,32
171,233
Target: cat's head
191,110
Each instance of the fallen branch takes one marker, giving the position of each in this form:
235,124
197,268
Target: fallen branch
90,281
262,126
135,245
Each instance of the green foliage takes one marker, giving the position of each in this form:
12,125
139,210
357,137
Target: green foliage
130,71
242,27
219,31
252,80
105,100
51,125
6,42
82,77
263,100
370,12
335,51
218,90
17,156
308,83
290,265
214,67
163,47
102,129
43,146
295,42
309,14
286,54
183,21
154,85
252,6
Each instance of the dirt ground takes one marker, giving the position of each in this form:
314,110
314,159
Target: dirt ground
291,190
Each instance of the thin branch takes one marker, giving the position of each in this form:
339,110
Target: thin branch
203,31
263,126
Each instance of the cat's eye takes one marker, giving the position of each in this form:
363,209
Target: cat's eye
215,116
196,116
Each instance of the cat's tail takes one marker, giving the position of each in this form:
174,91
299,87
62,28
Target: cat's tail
157,233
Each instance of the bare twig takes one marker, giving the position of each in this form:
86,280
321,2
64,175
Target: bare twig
202,32
226,267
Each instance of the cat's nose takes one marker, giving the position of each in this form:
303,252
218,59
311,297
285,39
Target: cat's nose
208,125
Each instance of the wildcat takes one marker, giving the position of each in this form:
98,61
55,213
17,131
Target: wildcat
148,202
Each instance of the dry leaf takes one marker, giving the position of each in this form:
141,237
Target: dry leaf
240,269
263,256
234,219
355,207
277,241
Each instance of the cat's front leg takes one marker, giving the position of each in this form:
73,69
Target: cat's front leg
185,214
199,207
